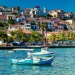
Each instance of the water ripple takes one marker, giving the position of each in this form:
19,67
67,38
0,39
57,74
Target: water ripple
63,64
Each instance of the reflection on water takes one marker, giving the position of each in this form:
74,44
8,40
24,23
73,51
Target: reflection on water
29,69
63,64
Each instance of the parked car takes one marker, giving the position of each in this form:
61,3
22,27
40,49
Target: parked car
8,44
16,43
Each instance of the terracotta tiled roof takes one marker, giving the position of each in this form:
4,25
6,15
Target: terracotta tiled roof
68,13
61,22
8,32
2,17
66,32
44,21
40,18
55,24
26,31
30,19
17,25
53,32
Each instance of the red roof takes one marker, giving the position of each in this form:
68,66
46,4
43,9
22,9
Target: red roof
26,31
44,20
15,25
2,17
30,19
40,18
37,7
66,32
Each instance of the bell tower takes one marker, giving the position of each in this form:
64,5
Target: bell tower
45,10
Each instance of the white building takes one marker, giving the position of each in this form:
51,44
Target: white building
15,27
27,26
37,11
10,17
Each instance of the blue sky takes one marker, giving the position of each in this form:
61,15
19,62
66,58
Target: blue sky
67,5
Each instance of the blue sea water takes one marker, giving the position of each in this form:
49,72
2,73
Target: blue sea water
63,64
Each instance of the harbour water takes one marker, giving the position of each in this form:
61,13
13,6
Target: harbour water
63,64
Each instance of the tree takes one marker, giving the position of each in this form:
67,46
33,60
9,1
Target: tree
11,22
73,19
53,37
48,16
39,25
71,36
34,36
12,33
45,27
62,36
19,35
16,8
10,39
14,13
3,36
3,24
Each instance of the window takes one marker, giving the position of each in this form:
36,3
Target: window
50,26
50,23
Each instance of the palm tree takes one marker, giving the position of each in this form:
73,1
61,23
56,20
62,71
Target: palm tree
43,29
62,36
73,20
3,36
71,35
10,39
53,37
48,16
57,37
39,25
46,27
16,8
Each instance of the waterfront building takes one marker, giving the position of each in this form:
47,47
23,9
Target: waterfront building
15,27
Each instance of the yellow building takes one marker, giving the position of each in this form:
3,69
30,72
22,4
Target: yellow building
70,21
54,14
1,13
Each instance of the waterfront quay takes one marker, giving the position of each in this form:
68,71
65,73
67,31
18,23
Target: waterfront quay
13,47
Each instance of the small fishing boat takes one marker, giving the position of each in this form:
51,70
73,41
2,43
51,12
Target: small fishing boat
11,51
43,52
30,49
33,60
36,46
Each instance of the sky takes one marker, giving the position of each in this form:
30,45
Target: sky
66,5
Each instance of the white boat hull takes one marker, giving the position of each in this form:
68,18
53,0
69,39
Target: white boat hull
32,61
